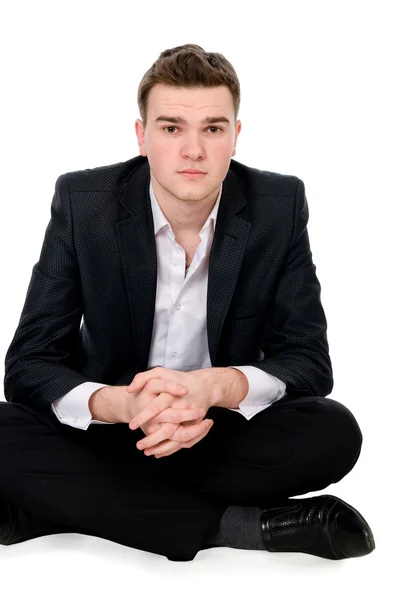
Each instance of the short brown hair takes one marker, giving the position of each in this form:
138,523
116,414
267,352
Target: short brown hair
188,66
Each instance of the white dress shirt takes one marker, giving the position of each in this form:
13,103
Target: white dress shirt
179,339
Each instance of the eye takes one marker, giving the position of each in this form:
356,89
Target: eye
174,127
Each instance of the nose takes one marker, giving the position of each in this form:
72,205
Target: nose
192,147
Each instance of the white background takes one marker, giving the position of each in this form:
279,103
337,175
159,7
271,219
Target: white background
320,100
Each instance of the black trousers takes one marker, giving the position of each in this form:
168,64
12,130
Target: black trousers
97,481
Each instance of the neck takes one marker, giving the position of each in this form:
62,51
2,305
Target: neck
186,217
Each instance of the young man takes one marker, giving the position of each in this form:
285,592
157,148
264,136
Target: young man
179,266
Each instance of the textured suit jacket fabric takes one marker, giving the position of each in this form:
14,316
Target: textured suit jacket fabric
179,337
98,261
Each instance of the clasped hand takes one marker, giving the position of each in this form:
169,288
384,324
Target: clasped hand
165,419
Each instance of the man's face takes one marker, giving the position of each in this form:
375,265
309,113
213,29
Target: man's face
188,128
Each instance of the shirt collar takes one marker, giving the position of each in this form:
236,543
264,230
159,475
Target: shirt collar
159,220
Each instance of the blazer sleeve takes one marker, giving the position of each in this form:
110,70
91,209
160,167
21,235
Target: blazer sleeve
294,341
40,362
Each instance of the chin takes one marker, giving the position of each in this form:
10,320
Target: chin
190,195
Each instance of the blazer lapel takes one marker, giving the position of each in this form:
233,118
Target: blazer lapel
226,257
138,254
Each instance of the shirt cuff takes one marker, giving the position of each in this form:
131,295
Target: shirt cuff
264,390
73,408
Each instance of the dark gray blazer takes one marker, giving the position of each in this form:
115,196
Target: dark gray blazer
89,309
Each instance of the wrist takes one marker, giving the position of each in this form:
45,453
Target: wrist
110,404
233,389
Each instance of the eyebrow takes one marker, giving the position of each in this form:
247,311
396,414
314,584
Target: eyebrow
181,121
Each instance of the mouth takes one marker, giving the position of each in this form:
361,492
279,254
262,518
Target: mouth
192,173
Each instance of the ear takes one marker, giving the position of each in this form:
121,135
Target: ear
237,131
140,134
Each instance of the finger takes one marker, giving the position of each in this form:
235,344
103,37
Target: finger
162,385
165,385
157,387
151,427
141,379
171,450
147,442
185,434
165,432
199,434
170,415
167,447
200,437
155,406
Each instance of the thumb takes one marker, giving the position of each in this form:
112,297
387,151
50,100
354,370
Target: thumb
132,387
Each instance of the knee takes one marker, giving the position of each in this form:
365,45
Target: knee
343,434
344,421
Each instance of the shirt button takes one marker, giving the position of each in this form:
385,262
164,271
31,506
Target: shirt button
178,306
174,354
174,262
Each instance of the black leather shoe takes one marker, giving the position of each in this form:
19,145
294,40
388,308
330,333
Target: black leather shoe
323,525
18,525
